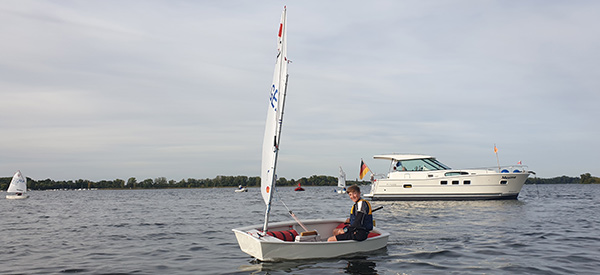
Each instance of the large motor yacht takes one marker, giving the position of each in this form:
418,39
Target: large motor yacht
422,177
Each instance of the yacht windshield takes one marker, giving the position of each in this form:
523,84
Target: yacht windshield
420,165
443,166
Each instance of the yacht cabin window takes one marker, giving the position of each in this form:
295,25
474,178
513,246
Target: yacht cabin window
418,165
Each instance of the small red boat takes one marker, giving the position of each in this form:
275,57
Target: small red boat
299,188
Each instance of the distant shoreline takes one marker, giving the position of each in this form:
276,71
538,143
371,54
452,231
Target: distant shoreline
231,182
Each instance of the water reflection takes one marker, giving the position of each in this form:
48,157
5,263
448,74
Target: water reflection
258,267
353,265
360,266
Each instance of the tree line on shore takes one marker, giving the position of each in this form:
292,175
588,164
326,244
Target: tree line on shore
164,183
232,181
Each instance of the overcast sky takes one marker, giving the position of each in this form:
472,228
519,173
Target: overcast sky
179,89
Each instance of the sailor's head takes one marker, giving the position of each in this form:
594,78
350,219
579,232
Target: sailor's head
353,192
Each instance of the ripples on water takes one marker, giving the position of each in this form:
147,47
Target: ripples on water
551,229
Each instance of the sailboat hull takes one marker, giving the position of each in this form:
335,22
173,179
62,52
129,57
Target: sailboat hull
17,197
267,248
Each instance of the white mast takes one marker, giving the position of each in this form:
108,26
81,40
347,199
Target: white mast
274,119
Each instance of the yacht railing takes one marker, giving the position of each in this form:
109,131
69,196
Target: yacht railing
504,169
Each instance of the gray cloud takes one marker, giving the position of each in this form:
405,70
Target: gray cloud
105,89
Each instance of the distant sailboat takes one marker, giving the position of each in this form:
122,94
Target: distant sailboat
342,182
18,187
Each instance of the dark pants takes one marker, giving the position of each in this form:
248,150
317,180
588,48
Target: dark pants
357,235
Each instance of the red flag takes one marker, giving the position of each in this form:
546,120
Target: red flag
495,149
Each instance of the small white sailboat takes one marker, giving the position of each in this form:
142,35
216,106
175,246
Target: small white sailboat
342,182
241,189
17,188
281,241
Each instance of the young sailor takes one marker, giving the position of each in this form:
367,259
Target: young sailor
360,222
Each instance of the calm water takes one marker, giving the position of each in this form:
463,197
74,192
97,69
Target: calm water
551,229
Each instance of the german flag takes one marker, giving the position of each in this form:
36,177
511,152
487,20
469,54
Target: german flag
364,169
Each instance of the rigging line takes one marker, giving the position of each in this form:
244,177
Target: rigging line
294,216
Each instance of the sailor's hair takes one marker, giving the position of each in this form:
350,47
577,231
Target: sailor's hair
353,188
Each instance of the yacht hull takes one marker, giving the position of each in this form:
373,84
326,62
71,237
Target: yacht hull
468,184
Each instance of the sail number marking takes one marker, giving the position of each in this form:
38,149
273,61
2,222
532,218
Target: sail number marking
273,98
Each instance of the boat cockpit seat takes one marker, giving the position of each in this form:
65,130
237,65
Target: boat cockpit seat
284,235
372,234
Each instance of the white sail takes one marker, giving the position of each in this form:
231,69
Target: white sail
276,104
342,178
18,184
